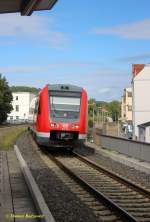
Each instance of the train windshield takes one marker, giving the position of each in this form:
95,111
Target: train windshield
64,109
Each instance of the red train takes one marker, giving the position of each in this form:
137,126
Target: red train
60,116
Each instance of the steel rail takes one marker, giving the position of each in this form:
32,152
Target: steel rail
113,175
98,194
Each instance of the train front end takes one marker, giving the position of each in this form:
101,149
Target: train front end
63,120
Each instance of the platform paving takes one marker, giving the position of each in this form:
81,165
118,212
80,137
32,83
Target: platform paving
6,205
15,198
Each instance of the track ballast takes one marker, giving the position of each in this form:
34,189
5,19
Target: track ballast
129,201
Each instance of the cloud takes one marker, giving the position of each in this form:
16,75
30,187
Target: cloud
37,28
104,90
135,58
23,69
101,83
43,68
135,30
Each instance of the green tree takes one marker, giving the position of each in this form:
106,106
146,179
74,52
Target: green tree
90,122
114,107
91,104
24,89
5,99
91,112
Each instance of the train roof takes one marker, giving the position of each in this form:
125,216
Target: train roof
64,87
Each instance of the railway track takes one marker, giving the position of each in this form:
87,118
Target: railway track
125,199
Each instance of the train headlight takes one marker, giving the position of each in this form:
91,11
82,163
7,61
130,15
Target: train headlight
75,126
55,125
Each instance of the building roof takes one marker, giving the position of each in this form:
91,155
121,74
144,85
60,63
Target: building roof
137,68
144,125
25,7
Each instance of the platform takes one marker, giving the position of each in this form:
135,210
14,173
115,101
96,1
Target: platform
15,198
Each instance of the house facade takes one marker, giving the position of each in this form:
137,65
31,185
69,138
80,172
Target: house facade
21,103
141,92
126,105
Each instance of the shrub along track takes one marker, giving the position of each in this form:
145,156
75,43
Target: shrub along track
9,135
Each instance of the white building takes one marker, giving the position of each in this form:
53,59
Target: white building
141,92
144,132
126,105
21,103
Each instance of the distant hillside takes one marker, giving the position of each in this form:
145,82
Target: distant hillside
101,103
24,89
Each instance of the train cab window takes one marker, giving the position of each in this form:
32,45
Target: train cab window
64,109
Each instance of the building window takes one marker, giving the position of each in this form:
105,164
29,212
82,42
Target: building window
17,117
17,108
16,97
129,108
11,117
129,94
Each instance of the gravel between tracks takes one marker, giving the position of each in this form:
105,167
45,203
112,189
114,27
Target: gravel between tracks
63,204
130,173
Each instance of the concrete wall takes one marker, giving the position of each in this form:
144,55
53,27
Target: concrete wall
131,148
107,128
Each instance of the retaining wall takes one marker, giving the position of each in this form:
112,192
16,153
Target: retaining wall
135,149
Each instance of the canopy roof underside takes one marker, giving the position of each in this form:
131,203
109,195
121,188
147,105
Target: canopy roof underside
25,7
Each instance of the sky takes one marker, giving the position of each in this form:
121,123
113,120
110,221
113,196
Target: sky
92,44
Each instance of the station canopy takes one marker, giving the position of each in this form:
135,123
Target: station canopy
25,7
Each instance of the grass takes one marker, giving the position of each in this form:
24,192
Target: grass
9,137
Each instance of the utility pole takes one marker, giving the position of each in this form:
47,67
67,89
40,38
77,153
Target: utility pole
93,117
99,112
